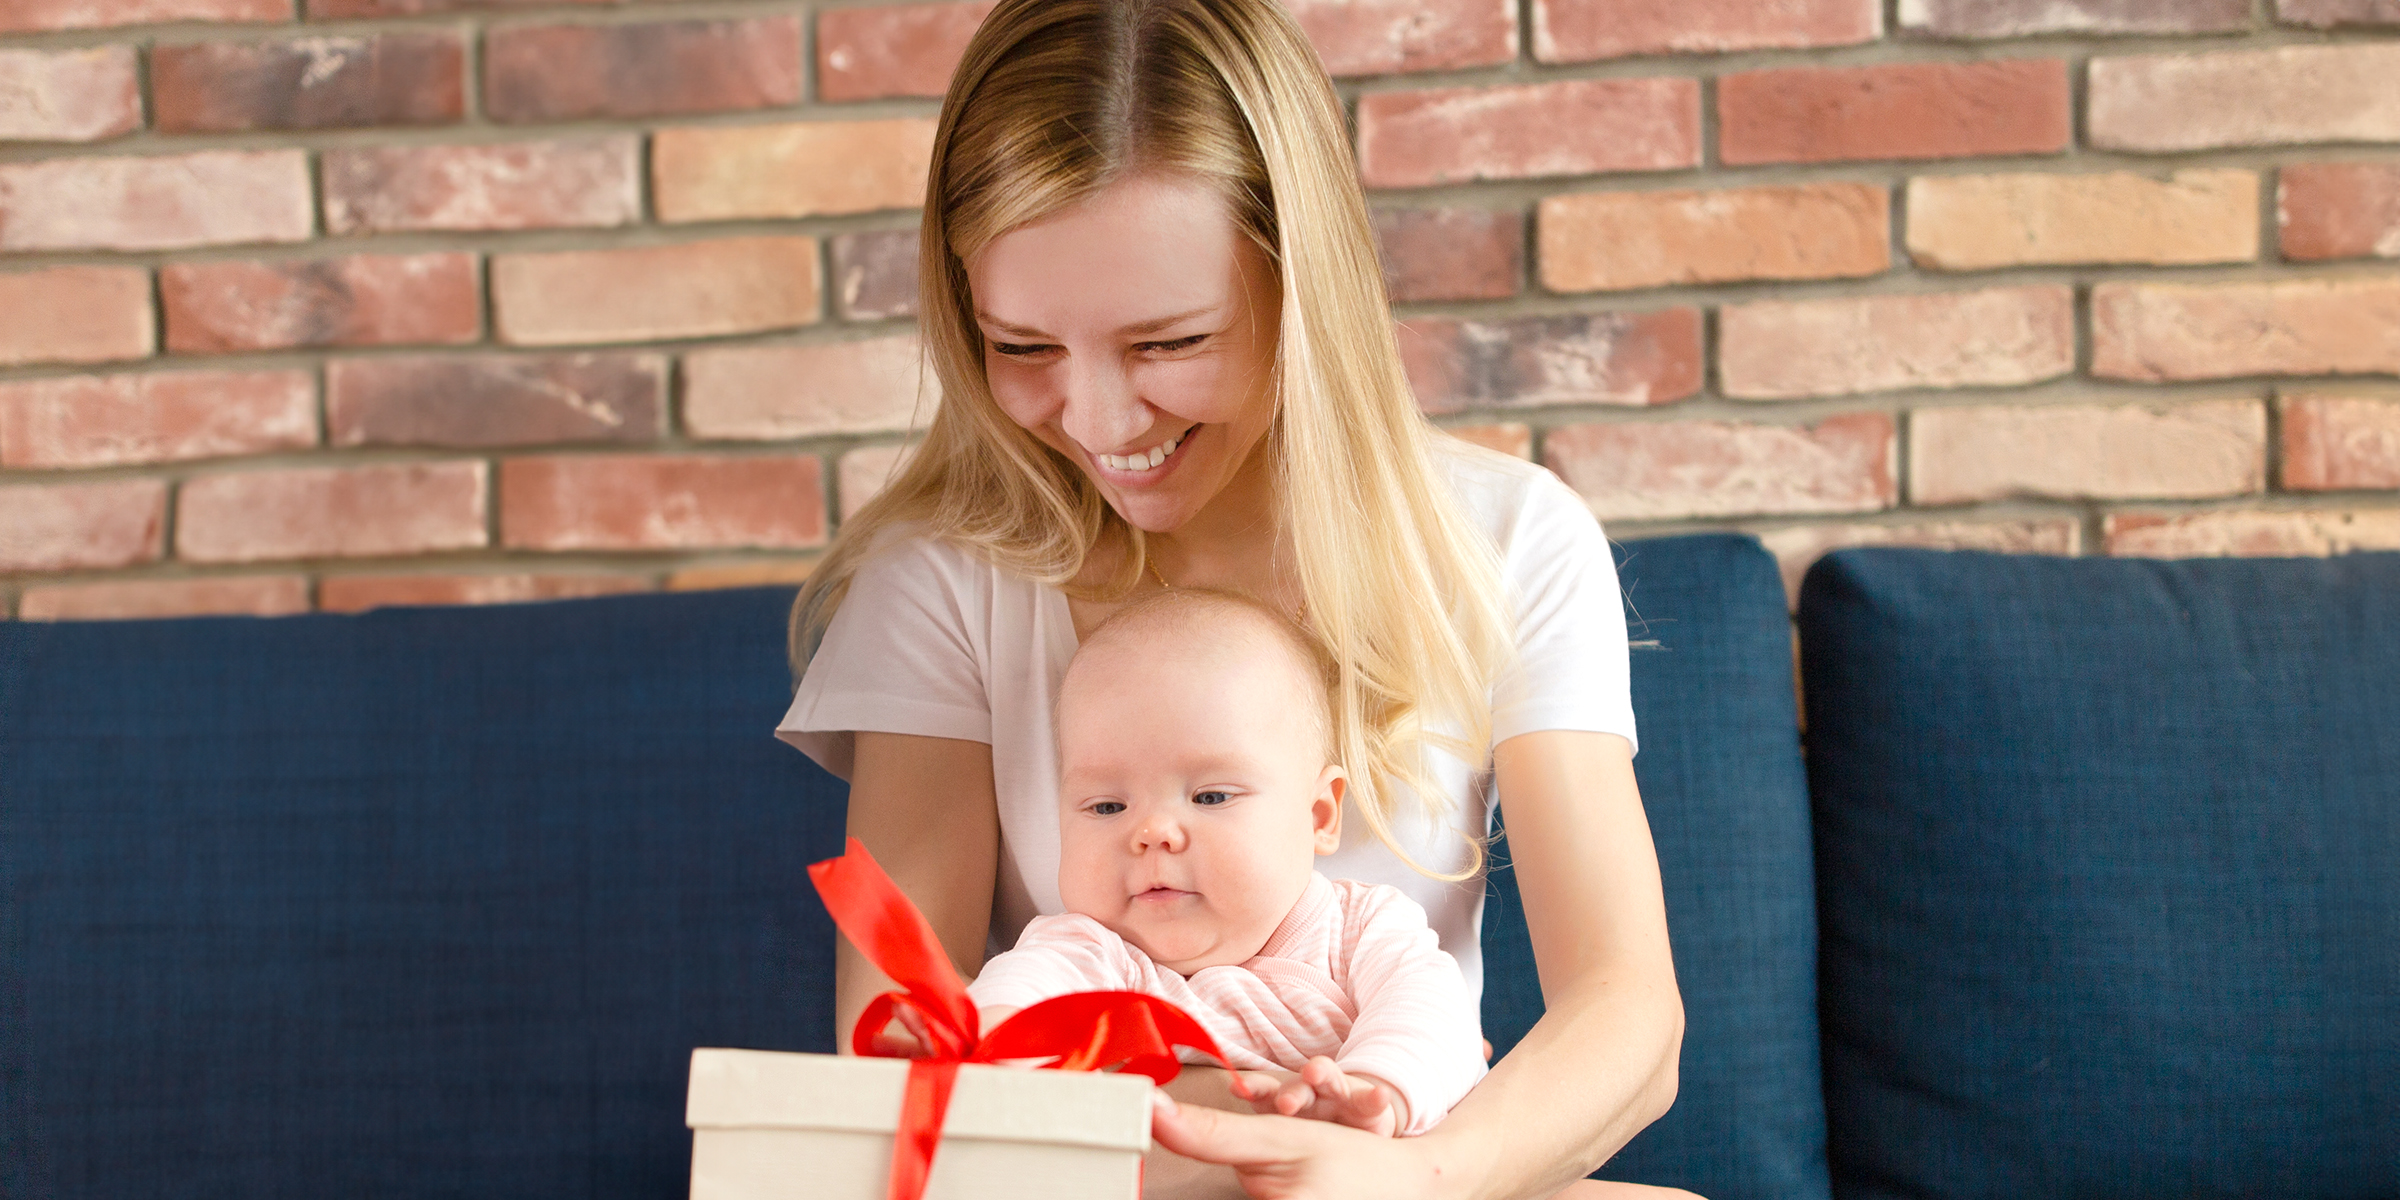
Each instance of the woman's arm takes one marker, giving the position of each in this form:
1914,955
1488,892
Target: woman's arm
1596,1069
1601,1063
926,809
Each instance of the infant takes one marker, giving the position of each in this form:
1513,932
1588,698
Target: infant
1197,783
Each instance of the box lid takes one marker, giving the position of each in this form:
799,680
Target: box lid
766,1089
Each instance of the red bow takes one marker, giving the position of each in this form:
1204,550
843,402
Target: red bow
1086,1031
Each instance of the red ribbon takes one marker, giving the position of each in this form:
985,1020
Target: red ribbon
1086,1031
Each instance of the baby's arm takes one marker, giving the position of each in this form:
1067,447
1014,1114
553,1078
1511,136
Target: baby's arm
1417,1032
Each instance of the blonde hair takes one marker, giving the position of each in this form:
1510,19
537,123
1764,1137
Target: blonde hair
1055,100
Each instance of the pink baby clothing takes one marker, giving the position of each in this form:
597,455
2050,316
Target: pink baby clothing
1353,973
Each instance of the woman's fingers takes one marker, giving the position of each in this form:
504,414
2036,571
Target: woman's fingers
1214,1135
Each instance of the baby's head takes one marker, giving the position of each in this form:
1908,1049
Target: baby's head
1196,776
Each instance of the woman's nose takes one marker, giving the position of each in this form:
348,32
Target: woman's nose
1102,412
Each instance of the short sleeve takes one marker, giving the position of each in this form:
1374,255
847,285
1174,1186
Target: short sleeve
1571,670
904,653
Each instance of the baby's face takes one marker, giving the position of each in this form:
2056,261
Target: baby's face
1194,797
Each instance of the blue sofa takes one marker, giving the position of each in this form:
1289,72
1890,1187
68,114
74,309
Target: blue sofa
2087,884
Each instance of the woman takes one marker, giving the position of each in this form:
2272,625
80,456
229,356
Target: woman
1152,299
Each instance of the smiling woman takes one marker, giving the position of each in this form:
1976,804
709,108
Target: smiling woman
1166,359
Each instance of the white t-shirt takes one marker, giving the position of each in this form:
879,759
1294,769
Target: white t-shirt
935,641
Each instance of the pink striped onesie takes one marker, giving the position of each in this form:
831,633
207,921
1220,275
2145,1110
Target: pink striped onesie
1353,973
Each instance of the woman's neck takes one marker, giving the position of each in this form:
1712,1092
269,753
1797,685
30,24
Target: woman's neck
1232,542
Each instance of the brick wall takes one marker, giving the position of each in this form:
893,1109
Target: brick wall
338,303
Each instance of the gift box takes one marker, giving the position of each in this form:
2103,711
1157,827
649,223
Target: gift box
787,1126
947,1120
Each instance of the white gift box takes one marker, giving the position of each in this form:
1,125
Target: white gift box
776,1126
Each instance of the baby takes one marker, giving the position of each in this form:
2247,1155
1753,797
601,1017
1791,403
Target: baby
1196,785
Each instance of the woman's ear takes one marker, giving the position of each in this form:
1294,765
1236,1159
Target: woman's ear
1325,812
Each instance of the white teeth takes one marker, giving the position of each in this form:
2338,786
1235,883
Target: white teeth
1144,461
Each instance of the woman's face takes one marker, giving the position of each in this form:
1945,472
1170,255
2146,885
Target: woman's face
1135,334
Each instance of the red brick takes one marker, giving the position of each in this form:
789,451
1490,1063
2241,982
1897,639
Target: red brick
2339,210
1978,222
2087,451
771,393
331,512
1508,437
2279,534
900,50
2328,14
875,274
773,572
1392,37
1905,110
1798,548
329,10
68,95
363,300
864,472
1578,358
495,400
158,203
1785,349
1584,30
573,72
75,315
2282,96
2022,18
2331,443
1576,127
1642,470
309,83
165,416
2156,331
586,183
632,502
815,168
647,293
81,526
358,593
1450,253
1602,241
24,16
118,600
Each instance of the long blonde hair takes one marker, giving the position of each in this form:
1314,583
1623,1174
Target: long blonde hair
1056,99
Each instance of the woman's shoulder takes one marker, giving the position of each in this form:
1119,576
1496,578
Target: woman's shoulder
1505,496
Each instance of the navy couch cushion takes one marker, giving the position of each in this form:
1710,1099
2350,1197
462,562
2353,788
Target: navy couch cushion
2109,874
1722,780
428,904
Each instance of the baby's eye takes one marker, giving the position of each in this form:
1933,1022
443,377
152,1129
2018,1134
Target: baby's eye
1209,798
1104,808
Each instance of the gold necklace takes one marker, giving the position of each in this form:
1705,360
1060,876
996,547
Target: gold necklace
1152,563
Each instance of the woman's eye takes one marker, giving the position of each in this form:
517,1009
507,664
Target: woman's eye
1017,349
1104,808
1182,343
1211,798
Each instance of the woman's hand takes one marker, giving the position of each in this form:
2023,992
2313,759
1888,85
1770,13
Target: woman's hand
1322,1091
1287,1158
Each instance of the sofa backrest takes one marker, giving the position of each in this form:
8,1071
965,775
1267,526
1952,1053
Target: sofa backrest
1723,784
438,902
2109,874
416,903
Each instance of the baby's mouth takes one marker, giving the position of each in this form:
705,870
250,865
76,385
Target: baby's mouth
1161,894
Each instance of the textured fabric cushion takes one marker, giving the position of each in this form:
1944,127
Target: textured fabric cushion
1722,780
429,903
2109,874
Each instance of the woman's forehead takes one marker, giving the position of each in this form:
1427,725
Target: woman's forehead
1135,253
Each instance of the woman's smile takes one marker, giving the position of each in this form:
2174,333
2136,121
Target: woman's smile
1143,466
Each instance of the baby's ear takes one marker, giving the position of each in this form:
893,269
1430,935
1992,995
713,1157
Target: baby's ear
1325,812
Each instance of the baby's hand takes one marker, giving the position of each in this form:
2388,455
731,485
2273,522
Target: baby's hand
1324,1092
